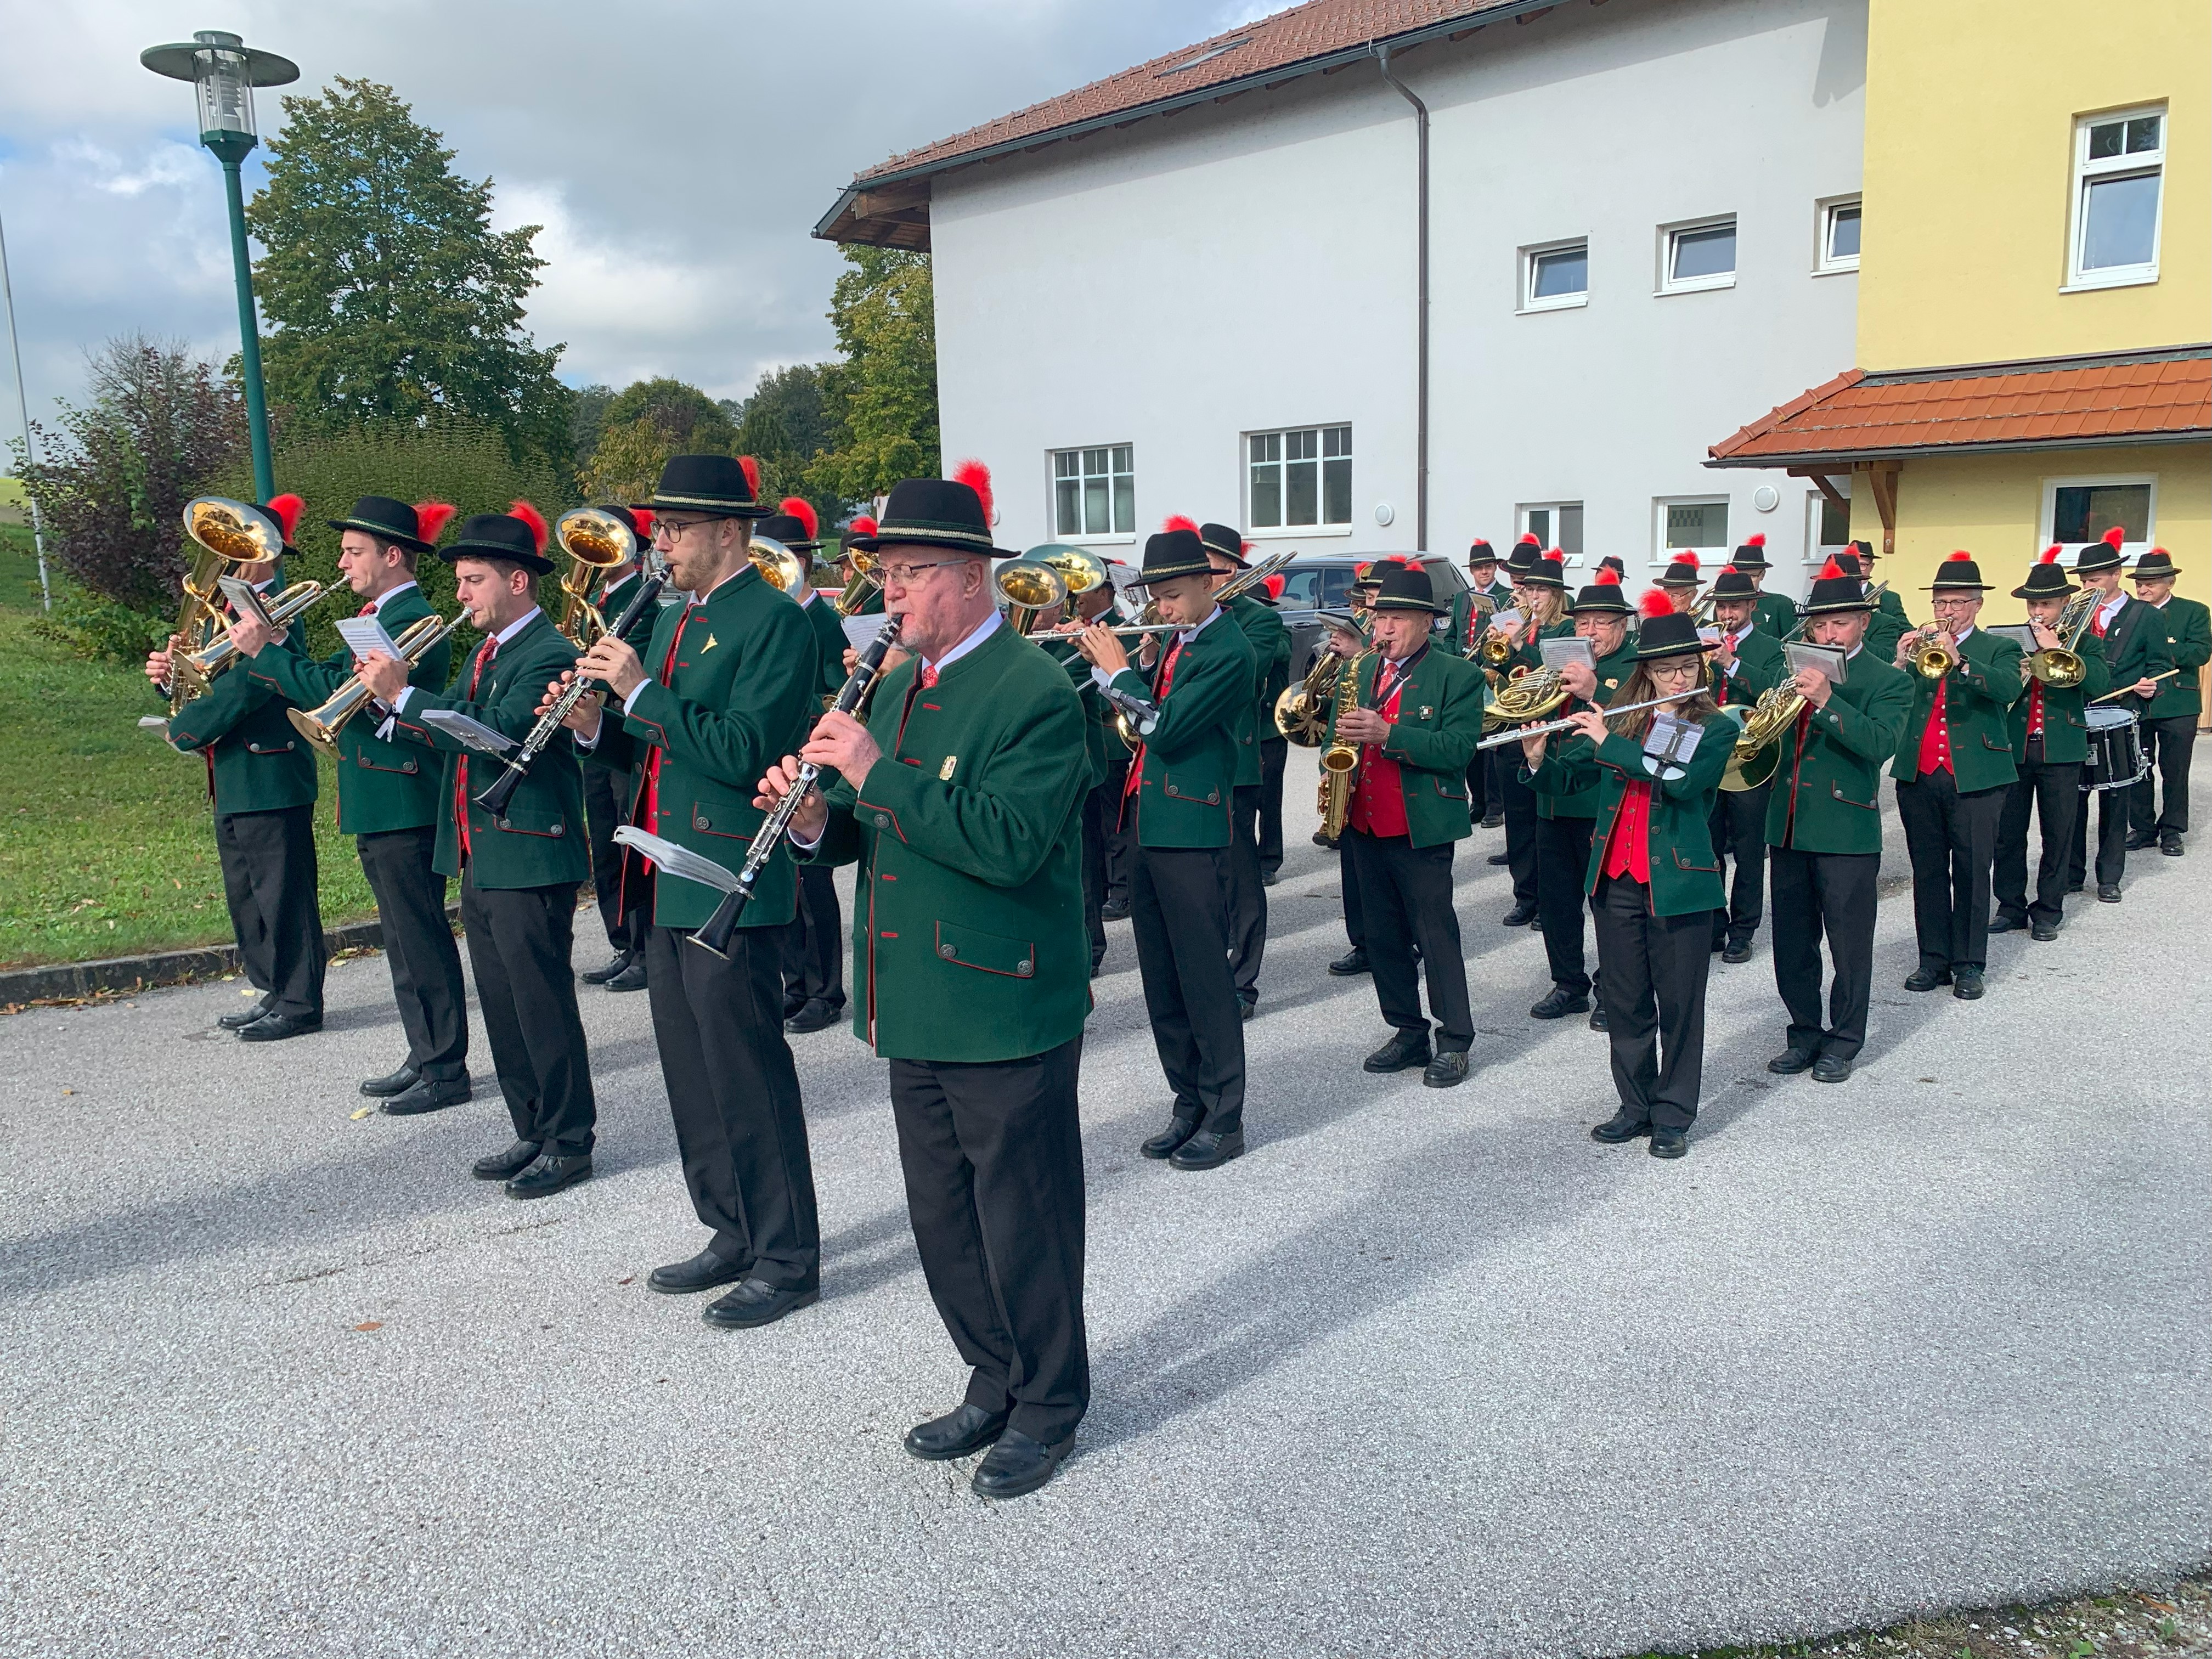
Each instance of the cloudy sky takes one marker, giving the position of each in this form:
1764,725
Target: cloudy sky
677,152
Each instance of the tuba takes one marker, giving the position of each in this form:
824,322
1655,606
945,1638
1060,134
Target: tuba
596,542
233,539
779,566
321,726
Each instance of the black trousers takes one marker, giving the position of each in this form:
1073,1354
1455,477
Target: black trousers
814,943
520,939
1274,756
1178,907
1655,971
1099,808
992,1153
2110,808
419,948
1120,829
1739,829
1355,912
1485,793
1523,831
2167,743
2052,793
271,883
1562,849
1406,891
1247,899
603,815
1952,836
734,1095
1818,893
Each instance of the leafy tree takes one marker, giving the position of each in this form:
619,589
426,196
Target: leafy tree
880,403
649,422
786,424
587,420
389,295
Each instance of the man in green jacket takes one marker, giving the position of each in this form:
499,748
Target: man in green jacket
605,796
519,871
1746,661
1188,711
2134,637
1824,831
960,798
388,797
1270,641
261,778
2169,729
1417,718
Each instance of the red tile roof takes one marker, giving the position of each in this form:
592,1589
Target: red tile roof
2127,397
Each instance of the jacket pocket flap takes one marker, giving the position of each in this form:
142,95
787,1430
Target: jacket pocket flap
1014,957
1988,742
1836,791
1210,798
408,767
284,748
523,820
1681,863
723,815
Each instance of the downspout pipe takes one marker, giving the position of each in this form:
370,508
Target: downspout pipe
1421,349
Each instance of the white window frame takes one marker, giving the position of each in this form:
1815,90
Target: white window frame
1052,492
1662,555
1668,233
1520,526
1824,220
1536,250
1817,552
2046,522
2084,171
1277,533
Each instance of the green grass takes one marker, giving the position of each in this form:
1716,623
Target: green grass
106,847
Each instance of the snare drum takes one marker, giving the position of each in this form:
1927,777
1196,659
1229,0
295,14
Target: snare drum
2116,749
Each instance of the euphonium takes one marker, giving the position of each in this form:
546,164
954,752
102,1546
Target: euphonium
865,582
596,542
1756,751
1080,571
779,566
1341,759
1029,587
2061,667
321,726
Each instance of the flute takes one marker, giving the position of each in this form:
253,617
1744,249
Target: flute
1499,739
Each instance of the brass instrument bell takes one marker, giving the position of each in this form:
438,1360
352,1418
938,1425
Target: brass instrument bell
1029,586
596,542
779,566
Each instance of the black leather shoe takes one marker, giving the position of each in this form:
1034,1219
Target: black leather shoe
1789,1062
1559,1002
1494,821
392,1083
275,1028
502,1166
1017,1464
1111,911
632,978
1597,1018
1402,1052
1352,962
1738,950
1670,1143
962,1430
1966,984
2108,892
601,976
552,1171
1208,1151
1619,1127
1097,967
2171,845
1179,1130
1519,916
815,1016
1926,979
2007,924
1830,1069
757,1302
1268,878
2139,839
2043,933
243,1018
429,1094
702,1273
1248,1007
1447,1071
1720,943
1499,860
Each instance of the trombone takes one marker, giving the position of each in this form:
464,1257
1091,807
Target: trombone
1245,580
321,726
596,542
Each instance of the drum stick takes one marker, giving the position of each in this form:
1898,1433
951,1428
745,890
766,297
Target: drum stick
2129,690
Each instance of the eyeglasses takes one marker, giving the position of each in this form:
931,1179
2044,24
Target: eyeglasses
903,574
673,529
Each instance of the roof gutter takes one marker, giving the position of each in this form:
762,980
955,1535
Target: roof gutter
1421,300
1841,460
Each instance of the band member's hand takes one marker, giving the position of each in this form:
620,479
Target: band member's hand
1814,686
385,676
157,667
1363,725
2145,688
1588,723
249,633
1103,650
1532,749
2045,639
584,719
841,742
1148,651
1581,679
812,816
1724,654
614,664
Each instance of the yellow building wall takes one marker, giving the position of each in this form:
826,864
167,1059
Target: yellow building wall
1992,506
1970,107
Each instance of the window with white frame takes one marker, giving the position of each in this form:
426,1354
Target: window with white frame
1698,255
1555,276
1554,524
2076,511
2119,175
1690,525
1299,478
1827,523
1094,493
1838,247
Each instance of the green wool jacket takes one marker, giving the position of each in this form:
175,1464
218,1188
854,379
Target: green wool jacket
1759,664
1886,626
1190,759
2065,732
968,941
1827,791
745,684
2188,645
1097,733
1270,639
830,641
1773,615
1685,872
1462,607
256,762
1432,739
381,786
1978,699
1613,673
2135,647
542,842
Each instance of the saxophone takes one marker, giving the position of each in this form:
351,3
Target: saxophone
1341,759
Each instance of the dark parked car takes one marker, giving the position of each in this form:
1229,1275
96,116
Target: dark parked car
1323,581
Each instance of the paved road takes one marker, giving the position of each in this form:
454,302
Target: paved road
1426,1372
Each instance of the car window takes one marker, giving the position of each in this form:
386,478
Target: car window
1336,584
1308,587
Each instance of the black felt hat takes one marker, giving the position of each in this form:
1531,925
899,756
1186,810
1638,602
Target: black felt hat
953,514
1550,570
1614,562
1222,539
516,535
719,486
1479,551
415,527
795,524
1848,562
2156,566
1526,552
2103,555
1834,591
1752,555
1405,586
1666,631
1865,550
1604,594
2047,578
1171,553
1958,573
1681,571
1734,584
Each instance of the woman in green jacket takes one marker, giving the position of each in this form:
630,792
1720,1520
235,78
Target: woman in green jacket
1654,881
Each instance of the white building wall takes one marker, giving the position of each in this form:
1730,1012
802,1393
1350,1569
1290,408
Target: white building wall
1250,265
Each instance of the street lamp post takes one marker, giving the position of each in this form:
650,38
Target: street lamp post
224,71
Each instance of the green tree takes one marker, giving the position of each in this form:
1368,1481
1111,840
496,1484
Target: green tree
880,403
640,430
388,294
786,425
587,420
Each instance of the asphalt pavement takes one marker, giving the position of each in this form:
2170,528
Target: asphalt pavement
1426,1372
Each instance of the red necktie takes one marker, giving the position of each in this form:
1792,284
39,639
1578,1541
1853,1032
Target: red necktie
1161,687
461,775
368,609
928,676
652,759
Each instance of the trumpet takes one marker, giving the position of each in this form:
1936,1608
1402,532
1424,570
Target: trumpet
596,542
1931,657
2060,666
321,726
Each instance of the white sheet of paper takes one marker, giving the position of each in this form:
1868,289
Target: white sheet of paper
1824,660
1557,654
152,723
241,595
1507,620
1668,736
363,634
860,631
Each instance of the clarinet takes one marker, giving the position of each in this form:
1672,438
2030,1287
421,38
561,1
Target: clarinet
501,788
715,936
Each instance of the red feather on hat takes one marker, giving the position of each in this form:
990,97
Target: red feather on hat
431,519
751,468
1242,547
1528,539
1556,553
1831,572
862,525
1727,570
286,510
1177,521
977,477
1689,559
798,508
1655,603
2050,555
1274,586
1605,577
2114,537
1959,557
643,517
1757,539
531,516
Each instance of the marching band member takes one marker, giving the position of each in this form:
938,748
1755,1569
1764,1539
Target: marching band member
2170,722
2050,742
1178,793
1680,580
1485,794
1541,601
1416,716
2134,641
1101,739
961,799
1824,832
388,797
261,778
1345,641
1773,614
734,675
518,873
605,796
1653,878
1745,660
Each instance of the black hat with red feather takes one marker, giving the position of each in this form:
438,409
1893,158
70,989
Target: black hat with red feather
1604,594
390,520
795,524
709,486
953,514
2047,578
1752,555
1665,630
1835,589
1958,574
518,536
1228,542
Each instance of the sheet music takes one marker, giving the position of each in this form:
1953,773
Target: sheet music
241,595
1668,743
1507,620
1826,660
860,631
1557,654
2018,633
363,634
475,733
